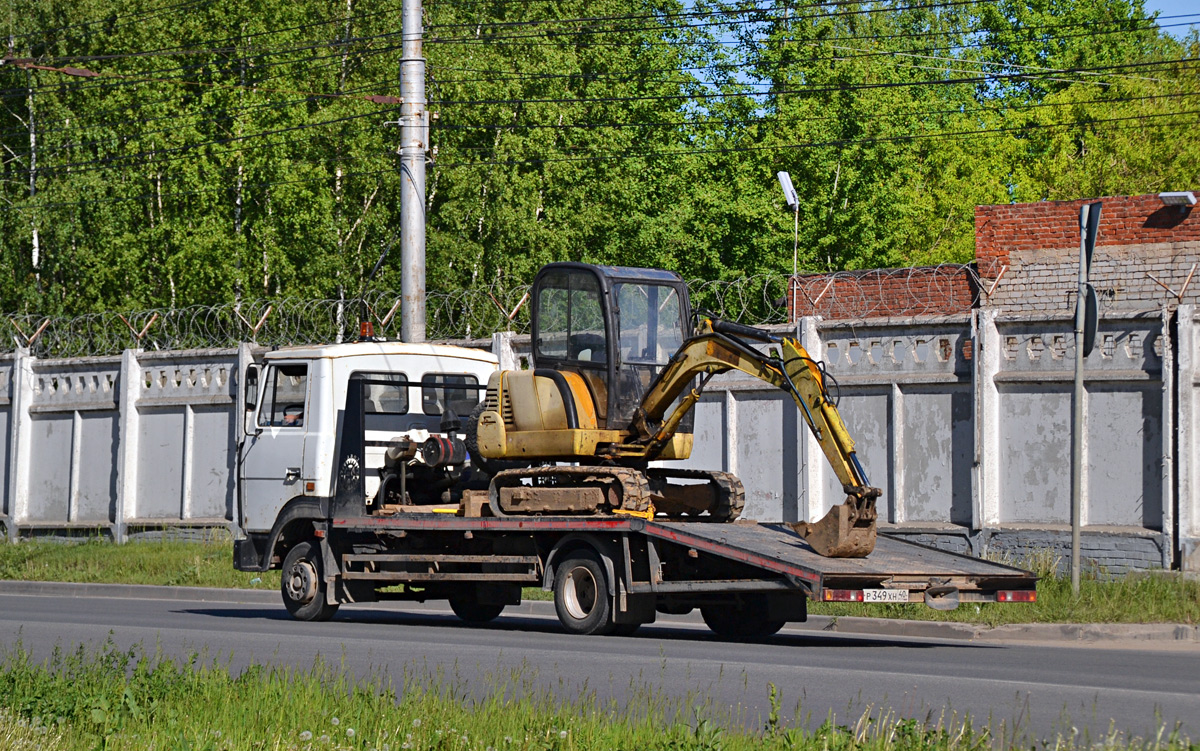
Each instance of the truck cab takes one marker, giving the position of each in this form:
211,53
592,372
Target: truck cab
297,452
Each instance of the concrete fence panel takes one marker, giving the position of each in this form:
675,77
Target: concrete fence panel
70,457
185,437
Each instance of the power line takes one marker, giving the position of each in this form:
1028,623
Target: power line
835,142
821,89
229,113
948,135
214,46
187,193
116,161
684,14
493,75
1004,110
136,16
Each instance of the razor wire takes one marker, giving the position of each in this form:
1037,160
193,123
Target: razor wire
894,293
476,312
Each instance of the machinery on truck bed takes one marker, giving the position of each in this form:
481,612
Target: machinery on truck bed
358,477
617,372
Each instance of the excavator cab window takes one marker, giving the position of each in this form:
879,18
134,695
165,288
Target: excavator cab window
650,329
571,318
570,331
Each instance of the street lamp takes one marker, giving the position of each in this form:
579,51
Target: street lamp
1184,199
793,203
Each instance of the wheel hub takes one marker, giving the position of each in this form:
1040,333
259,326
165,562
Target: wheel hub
580,593
301,582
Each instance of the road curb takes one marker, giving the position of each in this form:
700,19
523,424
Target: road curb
1041,632
849,625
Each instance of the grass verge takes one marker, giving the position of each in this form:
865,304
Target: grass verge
206,563
116,700
1139,598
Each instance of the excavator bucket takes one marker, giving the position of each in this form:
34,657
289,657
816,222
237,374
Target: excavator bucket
847,531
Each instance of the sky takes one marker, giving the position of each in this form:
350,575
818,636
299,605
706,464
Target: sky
1175,8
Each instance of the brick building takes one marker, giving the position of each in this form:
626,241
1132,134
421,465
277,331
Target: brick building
1145,253
1026,260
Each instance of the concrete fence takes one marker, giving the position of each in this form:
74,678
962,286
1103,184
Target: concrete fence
964,421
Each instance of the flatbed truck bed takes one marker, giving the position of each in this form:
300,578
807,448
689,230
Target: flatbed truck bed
648,566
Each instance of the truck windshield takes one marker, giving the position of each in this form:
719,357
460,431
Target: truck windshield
283,397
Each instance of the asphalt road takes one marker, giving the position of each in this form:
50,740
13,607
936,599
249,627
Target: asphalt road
1042,689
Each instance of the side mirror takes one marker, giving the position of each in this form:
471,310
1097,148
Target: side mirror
251,397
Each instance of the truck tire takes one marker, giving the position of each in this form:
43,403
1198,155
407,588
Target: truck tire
303,583
581,595
474,612
747,623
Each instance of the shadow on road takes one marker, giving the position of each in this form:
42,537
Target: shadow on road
674,632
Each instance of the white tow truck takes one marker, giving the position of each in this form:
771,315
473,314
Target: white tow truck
354,478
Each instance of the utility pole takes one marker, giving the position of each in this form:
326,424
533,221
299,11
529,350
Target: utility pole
414,134
1087,318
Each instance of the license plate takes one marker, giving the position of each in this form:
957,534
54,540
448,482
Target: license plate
885,595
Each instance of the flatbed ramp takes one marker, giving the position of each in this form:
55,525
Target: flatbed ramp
894,563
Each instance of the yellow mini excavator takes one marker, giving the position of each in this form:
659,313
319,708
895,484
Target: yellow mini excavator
616,371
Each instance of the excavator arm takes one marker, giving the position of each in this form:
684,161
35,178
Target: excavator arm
848,530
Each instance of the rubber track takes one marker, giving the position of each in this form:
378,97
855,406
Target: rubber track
732,494
635,487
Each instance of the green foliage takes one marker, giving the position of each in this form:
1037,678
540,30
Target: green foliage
228,150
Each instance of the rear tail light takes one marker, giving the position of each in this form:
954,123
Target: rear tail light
1016,595
843,595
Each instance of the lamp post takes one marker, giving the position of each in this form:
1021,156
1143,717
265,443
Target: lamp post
793,203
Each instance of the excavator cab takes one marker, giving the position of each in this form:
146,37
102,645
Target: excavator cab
616,327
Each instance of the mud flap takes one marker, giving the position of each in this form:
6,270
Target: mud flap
847,531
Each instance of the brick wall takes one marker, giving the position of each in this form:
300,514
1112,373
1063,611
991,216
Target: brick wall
1033,250
931,290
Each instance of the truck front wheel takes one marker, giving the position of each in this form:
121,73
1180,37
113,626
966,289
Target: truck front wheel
746,623
303,584
581,595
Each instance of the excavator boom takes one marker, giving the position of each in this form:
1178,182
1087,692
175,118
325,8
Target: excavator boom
848,530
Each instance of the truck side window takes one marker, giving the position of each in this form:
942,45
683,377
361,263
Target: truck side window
385,393
384,400
283,397
440,391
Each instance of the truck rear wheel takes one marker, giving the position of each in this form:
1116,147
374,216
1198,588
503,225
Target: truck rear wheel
303,584
581,595
472,611
746,623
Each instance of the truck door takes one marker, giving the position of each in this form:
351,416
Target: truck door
272,468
